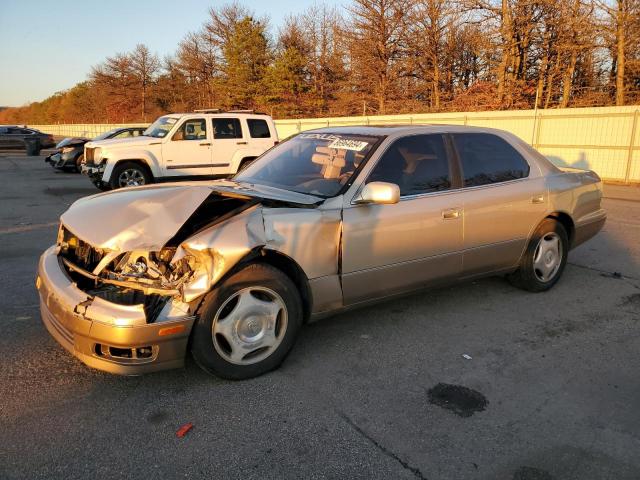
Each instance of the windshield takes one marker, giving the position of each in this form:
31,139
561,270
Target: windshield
312,163
160,127
106,135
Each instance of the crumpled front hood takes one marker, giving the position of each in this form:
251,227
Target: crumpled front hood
71,141
146,218
133,219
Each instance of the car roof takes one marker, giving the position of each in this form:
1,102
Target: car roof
402,129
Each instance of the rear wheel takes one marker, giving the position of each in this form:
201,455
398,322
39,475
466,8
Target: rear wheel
247,325
245,163
129,174
544,261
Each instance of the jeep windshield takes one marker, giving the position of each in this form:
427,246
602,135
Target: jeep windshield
312,163
160,127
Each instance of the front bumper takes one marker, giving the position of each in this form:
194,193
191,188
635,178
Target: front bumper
95,172
93,329
62,160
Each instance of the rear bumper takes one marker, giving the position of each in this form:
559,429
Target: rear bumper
588,227
91,328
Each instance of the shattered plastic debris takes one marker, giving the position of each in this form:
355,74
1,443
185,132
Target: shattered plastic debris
466,356
182,431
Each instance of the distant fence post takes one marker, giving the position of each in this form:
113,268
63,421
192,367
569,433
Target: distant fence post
634,127
539,128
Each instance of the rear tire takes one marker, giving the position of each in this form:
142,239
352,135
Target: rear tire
129,174
544,260
247,325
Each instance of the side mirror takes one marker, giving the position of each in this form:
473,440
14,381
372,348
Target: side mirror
379,192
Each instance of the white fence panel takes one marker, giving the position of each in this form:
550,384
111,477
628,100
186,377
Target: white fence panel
604,139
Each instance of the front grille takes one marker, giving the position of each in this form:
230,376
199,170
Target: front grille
88,154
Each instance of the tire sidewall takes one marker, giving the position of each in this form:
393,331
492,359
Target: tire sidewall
257,274
120,167
528,275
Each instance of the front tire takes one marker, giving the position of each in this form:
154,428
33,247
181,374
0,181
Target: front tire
247,325
545,258
129,174
79,162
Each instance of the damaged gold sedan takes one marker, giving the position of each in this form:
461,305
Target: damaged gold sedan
330,219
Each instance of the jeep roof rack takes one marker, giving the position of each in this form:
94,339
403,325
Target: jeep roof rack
219,110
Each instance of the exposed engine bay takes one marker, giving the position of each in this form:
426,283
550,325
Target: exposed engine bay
173,273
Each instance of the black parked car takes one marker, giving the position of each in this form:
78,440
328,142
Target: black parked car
17,137
70,151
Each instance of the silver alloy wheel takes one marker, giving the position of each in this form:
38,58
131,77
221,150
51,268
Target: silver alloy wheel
131,177
249,325
547,257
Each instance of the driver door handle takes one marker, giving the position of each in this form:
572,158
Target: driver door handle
205,144
451,213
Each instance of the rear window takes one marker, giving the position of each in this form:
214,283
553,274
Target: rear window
258,128
488,159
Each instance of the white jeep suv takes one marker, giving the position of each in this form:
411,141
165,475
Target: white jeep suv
198,144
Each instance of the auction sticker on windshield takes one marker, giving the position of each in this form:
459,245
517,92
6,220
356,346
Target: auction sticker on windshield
346,144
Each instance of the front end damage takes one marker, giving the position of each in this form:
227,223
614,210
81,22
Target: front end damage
126,302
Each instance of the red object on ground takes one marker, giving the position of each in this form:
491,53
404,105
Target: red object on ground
182,431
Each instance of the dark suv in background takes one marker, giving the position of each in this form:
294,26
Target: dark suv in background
69,152
16,137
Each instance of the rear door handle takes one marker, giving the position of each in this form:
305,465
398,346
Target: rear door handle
205,144
241,143
538,198
451,213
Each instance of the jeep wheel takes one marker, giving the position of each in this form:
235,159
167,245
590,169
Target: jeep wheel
129,174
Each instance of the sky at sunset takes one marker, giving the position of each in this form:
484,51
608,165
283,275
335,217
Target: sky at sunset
48,46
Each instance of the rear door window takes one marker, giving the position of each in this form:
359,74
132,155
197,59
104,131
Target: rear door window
258,128
417,164
488,159
226,128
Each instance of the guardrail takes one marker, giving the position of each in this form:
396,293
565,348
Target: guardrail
604,139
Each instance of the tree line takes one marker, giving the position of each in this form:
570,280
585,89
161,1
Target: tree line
371,57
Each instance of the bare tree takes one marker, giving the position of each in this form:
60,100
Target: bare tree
144,68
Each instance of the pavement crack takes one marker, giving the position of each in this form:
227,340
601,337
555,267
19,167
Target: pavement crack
416,471
605,272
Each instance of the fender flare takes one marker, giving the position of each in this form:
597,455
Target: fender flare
240,155
142,156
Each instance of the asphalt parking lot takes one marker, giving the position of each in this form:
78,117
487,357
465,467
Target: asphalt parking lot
553,378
